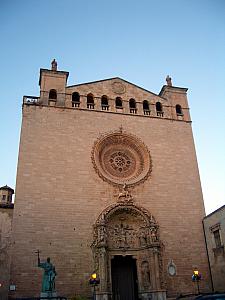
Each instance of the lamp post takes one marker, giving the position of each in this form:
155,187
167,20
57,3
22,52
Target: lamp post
196,277
94,281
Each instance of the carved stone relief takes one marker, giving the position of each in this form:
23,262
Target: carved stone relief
145,273
126,229
118,87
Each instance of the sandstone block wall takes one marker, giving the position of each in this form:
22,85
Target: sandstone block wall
59,194
6,215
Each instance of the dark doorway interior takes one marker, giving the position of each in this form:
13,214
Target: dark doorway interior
124,278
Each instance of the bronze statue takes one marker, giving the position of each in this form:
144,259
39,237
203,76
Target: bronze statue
48,280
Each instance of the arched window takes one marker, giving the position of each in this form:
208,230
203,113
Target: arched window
146,107
119,103
90,101
132,104
159,110
53,94
179,110
104,103
75,99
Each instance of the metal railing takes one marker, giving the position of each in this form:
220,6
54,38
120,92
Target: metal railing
133,110
159,113
75,103
30,99
147,111
105,107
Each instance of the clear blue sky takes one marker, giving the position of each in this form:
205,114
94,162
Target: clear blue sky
140,41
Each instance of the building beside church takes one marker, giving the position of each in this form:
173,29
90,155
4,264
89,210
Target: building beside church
108,181
6,216
214,227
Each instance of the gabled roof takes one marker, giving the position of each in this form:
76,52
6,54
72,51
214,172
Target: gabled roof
172,87
113,78
215,211
6,187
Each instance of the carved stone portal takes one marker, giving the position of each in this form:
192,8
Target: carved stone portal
126,229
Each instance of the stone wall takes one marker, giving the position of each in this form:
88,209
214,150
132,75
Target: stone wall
59,196
64,184
214,225
6,215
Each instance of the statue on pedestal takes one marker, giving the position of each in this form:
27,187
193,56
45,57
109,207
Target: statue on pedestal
48,280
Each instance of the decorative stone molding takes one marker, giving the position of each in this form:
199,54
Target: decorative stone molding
171,268
124,228
121,158
118,87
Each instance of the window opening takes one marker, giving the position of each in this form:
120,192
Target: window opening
146,107
179,110
53,94
132,104
159,110
104,103
217,238
90,101
119,103
75,99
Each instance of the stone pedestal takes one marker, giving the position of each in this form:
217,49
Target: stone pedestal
46,295
156,295
103,296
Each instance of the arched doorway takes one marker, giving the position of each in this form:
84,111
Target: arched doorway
127,248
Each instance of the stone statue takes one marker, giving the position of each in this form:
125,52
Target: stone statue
54,65
154,236
143,240
145,272
124,195
169,80
48,280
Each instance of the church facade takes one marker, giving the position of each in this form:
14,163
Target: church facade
108,182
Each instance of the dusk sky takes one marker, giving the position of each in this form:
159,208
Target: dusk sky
139,41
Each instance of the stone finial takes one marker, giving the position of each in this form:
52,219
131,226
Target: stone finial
169,80
54,65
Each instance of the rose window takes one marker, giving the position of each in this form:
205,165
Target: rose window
121,158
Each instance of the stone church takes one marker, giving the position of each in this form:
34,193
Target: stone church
108,182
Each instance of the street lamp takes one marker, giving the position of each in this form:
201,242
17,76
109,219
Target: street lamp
94,281
196,277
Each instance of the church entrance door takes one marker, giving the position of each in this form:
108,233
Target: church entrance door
124,278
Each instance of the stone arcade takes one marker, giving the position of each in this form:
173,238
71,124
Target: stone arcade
108,181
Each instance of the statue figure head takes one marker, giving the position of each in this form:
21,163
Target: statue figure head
48,259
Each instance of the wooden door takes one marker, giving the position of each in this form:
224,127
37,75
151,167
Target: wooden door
124,278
